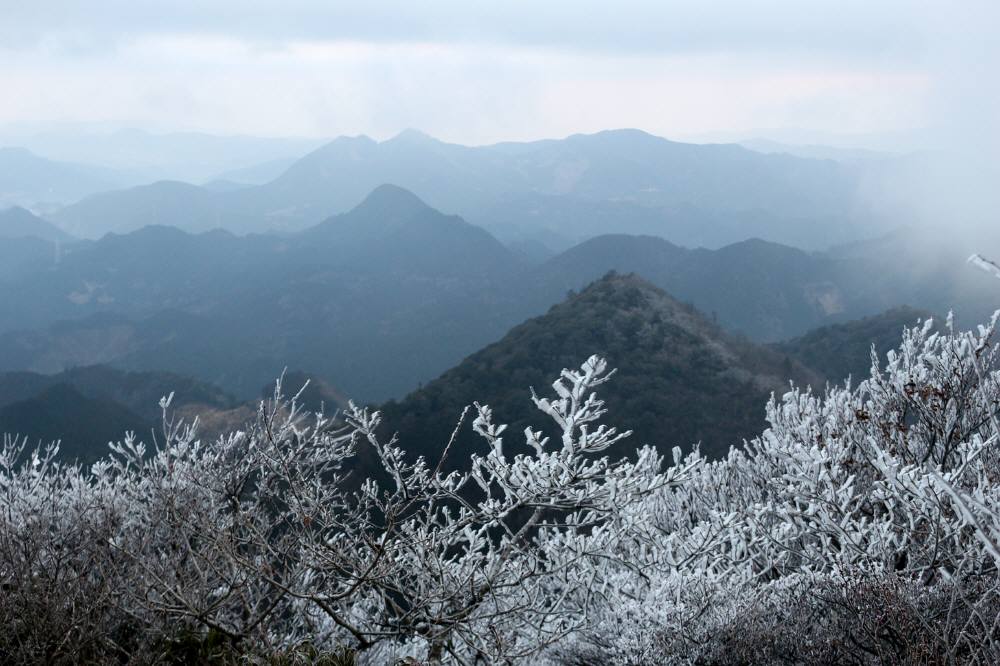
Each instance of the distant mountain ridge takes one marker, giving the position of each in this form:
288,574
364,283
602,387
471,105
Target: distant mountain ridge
764,290
841,351
18,222
395,281
82,425
139,392
148,156
86,407
28,180
553,191
392,293
771,292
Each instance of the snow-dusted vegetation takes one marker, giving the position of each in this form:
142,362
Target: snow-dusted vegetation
861,527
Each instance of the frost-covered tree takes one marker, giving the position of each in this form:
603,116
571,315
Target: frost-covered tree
260,539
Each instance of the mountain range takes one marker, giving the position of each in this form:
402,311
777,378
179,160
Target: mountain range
85,408
82,426
552,192
420,275
844,351
28,243
145,156
383,296
392,293
18,222
27,179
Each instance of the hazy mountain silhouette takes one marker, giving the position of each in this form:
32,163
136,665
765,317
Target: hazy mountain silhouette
85,425
564,190
558,222
257,174
149,156
764,290
409,290
139,392
169,203
819,152
18,222
393,227
772,292
28,244
27,179
392,293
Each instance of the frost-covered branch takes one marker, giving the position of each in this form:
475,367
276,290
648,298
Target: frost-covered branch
985,264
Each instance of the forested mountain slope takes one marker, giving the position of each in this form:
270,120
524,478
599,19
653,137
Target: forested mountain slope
839,351
86,407
139,392
677,373
82,425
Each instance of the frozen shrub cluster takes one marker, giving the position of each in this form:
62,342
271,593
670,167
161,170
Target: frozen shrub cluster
861,527
261,543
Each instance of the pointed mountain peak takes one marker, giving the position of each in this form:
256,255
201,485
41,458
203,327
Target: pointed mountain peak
628,132
624,136
387,207
618,284
627,292
360,139
392,201
338,146
412,136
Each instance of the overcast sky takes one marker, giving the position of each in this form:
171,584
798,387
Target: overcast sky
478,72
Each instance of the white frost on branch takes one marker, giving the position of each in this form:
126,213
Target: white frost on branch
984,264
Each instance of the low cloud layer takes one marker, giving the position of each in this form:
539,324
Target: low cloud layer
848,28
484,73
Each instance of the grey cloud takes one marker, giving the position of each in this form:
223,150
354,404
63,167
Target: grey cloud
845,28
